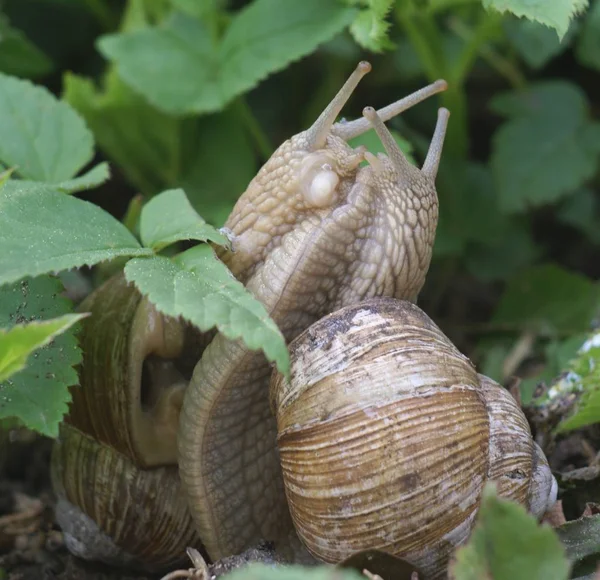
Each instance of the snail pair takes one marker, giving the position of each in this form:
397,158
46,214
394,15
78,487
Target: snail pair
383,438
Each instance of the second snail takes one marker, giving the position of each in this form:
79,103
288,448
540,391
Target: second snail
385,435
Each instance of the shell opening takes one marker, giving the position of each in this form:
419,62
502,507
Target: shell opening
157,385
158,376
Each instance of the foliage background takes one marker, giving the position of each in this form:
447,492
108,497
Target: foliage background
516,254
197,94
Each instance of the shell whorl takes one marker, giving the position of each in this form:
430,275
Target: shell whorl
387,436
115,512
114,464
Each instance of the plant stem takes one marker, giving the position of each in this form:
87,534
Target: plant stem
477,44
426,38
132,215
103,14
253,126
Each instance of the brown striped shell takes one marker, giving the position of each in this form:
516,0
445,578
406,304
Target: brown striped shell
137,363
112,511
387,436
114,464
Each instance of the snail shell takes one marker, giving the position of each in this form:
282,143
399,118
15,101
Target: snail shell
387,436
114,463
112,511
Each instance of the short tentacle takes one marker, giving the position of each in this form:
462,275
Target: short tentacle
432,161
317,134
398,158
349,130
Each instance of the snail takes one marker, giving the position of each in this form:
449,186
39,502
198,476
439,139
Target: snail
114,463
316,231
313,232
383,415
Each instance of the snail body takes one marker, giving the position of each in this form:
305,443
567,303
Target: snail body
316,232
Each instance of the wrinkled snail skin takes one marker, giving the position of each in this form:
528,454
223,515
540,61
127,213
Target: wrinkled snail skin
305,243
114,464
387,436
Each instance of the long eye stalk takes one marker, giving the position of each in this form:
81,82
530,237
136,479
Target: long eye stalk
432,161
317,134
394,152
351,129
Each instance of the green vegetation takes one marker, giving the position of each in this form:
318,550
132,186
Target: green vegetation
129,127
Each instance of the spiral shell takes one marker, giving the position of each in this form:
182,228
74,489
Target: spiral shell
112,511
387,436
114,464
136,366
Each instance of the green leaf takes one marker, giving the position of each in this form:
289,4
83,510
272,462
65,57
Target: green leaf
38,395
492,244
548,148
169,218
18,55
584,378
198,9
582,211
263,572
508,544
178,69
580,537
157,151
558,354
18,342
174,65
43,137
47,233
436,6
535,43
207,177
548,299
504,256
89,180
143,142
200,288
556,14
370,27
588,47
